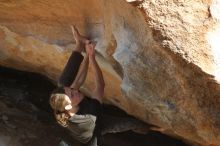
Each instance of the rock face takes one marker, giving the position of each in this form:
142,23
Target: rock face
160,59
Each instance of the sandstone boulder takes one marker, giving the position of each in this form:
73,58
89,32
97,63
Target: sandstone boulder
160,59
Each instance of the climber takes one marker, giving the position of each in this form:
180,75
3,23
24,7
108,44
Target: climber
81,115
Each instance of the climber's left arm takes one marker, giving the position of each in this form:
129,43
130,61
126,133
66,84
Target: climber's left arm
82,73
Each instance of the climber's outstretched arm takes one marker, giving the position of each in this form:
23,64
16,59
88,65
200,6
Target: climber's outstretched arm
98,91
70,71
81,75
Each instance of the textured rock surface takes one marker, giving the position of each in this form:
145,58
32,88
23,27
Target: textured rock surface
160,59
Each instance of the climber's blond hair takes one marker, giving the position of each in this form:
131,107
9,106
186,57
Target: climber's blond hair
58,102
